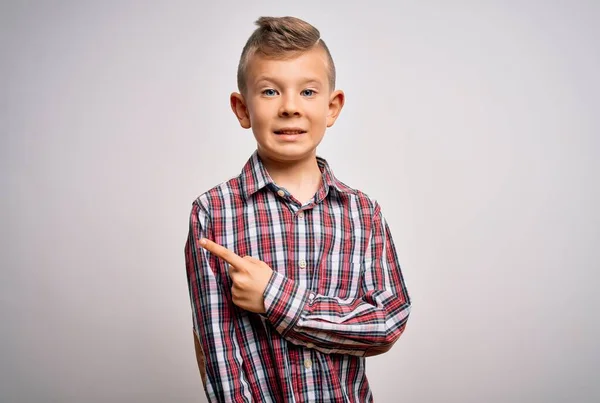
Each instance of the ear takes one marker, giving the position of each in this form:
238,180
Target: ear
239,108
336,103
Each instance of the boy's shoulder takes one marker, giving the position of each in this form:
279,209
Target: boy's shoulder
215,195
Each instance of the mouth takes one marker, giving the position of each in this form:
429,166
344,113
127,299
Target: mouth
289,131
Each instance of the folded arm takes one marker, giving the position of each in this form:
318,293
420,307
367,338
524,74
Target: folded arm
364,326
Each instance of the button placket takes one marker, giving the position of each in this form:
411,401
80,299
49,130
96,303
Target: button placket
302,254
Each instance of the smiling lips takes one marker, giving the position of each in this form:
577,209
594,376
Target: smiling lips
290,130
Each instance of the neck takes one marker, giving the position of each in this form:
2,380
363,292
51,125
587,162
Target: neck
302,173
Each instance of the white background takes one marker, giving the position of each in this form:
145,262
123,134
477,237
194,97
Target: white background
474,124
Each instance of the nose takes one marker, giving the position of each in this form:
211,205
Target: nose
289,106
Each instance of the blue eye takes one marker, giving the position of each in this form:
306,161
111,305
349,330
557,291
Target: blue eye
308,93
270,92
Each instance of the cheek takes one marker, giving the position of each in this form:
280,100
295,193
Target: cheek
319,113
260,115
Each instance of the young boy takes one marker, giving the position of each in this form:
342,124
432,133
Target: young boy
293,275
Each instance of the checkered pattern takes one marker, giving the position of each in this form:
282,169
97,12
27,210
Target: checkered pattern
336,294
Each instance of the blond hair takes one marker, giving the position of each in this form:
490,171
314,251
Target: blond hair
279,38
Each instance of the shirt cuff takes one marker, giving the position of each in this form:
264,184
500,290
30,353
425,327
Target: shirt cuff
284,302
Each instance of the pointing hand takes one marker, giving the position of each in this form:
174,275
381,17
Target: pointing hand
249,275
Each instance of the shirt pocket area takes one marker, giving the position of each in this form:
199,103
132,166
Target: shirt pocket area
340,276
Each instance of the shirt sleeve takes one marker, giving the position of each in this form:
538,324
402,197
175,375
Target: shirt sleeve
213,320
364,326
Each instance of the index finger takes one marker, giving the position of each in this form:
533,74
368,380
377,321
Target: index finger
227,255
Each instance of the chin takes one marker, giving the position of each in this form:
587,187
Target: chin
289,154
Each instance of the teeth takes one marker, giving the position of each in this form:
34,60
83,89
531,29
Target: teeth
288,132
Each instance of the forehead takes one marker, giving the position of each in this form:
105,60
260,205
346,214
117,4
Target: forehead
311,64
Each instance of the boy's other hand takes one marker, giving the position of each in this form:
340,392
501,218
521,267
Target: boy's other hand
249,275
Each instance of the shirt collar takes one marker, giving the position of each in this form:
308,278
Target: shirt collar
254,177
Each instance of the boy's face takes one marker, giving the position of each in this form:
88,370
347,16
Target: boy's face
288,104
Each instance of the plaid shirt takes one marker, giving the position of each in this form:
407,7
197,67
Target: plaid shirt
336,294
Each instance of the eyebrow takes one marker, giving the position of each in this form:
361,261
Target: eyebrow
303,81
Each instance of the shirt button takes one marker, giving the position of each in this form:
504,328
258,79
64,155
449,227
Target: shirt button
310,345
281,193
301,215
311,296
308,363
302,264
